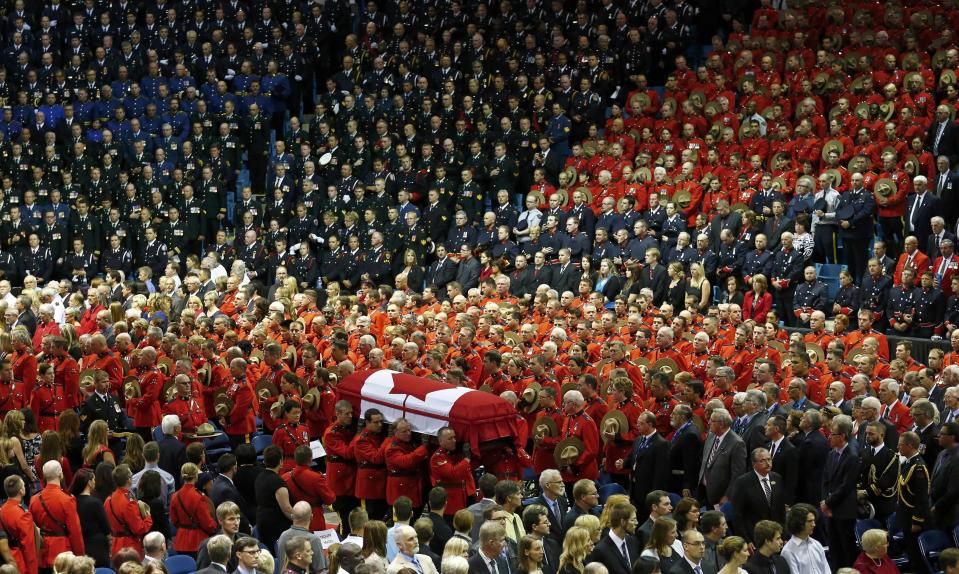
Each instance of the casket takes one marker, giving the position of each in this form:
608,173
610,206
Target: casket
430,405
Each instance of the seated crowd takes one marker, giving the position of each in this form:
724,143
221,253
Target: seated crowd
702,246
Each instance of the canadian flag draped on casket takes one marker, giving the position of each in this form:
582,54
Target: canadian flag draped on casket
430,405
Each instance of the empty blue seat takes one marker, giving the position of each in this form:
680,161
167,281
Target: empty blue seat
931,545
864,524
261,442
608,490
104,571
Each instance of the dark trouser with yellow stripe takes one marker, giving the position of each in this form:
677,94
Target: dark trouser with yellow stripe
238,439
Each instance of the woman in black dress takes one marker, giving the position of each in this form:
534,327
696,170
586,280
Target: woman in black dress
96,528
273,508
70,437
150,490
245,480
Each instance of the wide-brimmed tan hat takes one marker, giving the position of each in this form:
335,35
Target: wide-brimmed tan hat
615,422
545,426
568,451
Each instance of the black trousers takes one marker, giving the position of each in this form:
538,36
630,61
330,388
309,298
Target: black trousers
911,542
892,234
257,161
344,505
824,244
377,508
855,255
842,542
238,439
783,299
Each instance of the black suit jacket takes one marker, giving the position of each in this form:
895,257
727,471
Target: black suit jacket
649,465
555,522
891,436
607,553
878,473
786,465
944,493
442,532
685,456
948,143
750,504
919,223
932,250
566,279
813,450
839,483
212,569
477,565
172,456
223,490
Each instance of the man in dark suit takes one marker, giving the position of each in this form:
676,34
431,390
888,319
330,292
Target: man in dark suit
550,160
585,501
921,206
442,531
939,234
946,187
536,522
618,548
813,450
878,472
565,274
923,414
942,137
228,516
725,219
218,549
489,558
467,274
224,490
654,276
838,504
785,457
944,489
685,452
487,490
871,407
753,429
724,459
442,271
553,497
172,450
757,495
768,542
694,552
777,224
649,459
658,504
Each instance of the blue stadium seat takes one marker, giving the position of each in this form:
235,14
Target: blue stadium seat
931,544
608,490
180,564
261,442
864,524
955,535
104,571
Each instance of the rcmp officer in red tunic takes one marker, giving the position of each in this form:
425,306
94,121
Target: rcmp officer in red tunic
239,422
371,465
19,526
453,471
578,424
191,512
309,485
340,461
290,433
145,409
619,444
68,373
55,513
9,394
128,523
183,404
404,465
44,401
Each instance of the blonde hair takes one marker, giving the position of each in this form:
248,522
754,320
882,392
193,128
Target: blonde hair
79,565
575,548
96,437
591,524
63,563
613,500
455,547
13,424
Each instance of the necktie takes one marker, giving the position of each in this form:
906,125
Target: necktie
772,451
767,490
625,551
698,570
713,452
492,567
951,416
942,128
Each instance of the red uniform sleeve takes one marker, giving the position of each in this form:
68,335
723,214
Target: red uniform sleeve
335,445
396,458
364,450
590,438
242,405
139,526
317,483
28,543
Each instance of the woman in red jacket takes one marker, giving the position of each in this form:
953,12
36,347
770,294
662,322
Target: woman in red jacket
192,513
759,301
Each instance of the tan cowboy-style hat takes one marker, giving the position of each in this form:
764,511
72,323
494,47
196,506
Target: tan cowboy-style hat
563,197
168,393
545,426
204,375
290,357
266,385
836,177
739,206
887,109
568,450
666,366
131,388
206,430
587,194
615,422
886,187
682,198
88,378
540,198
817,350
566,388
642,99
832,146
311,399
165,365
222,404
530,394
